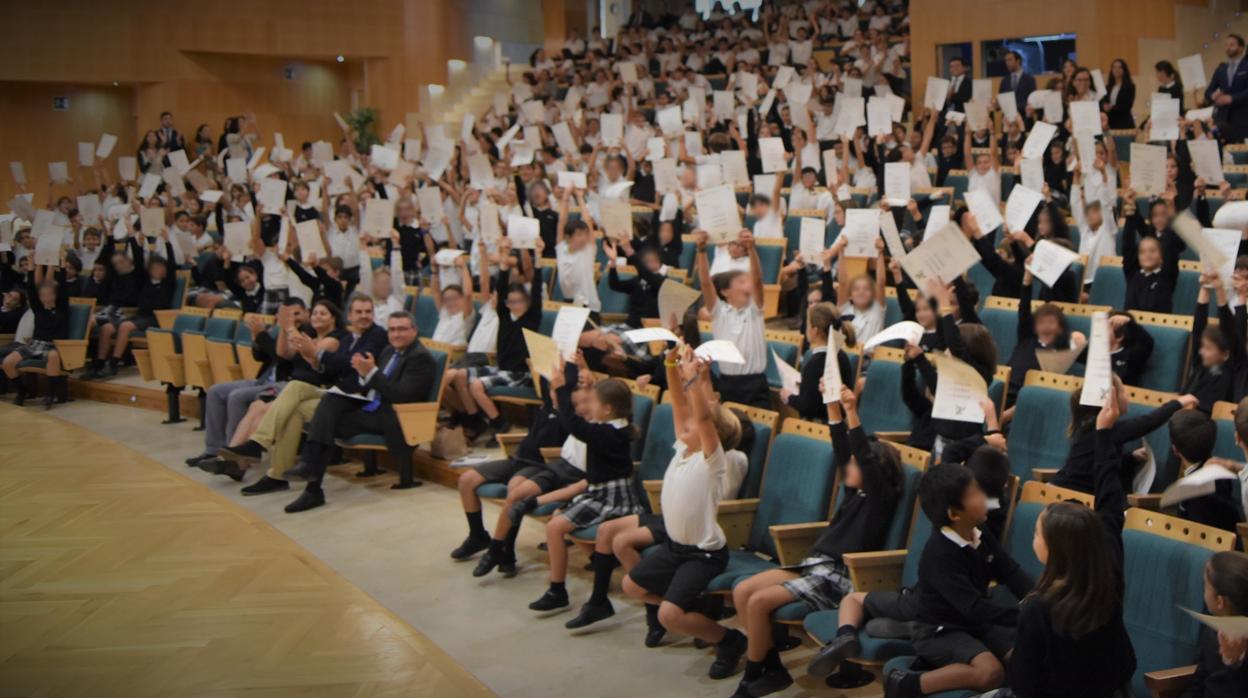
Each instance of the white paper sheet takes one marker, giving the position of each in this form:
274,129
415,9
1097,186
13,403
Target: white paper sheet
58,172
569,324
674,299
1200,483
771,151
1008,105
1192,70
149,184
543,353
238,239
523,232
1148,169
732,164
105,146
89,208
937,218
19,172
384,157
1098,378
945,254
1086,116
892,237
1032,172
612,128
1206,160
936,92
1164,119
378,218
790,378
718,214
1020,206
1038,139
862,229
720,350
907,330
813,233
959,388
986,211
272,196
86,154
650,334
879,116
1050,260
897,183
832,379
1235,626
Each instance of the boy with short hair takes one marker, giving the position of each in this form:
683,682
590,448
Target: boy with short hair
1192,437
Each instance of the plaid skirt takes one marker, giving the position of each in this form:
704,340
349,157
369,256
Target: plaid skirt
34,349
603,502
639,351
495,377
824,582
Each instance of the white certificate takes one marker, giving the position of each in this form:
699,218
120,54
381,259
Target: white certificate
907,331
1086,116
720,350
771,150
48,247
1192,70
569,324
236,169
669,121
1019,207
543,353
732,163
944,255
533,111
384,157
572,180
378,218
665,177
523,232
1188,228
977,116
879,116
106,144
238,239
813,234
1049,261
1032,171
709,174
934,96
617,219
152,221
897,183
1009,107
862,229
832,379
1053,106
892,238
790,378
981,91
58,172
430,200
272,196
612,129
1098,82
986,211
1148,169
564,139
959,388
19,172
1164,120
86,154
310,243
937,218
674,299
650,334
89,208
149,184
1226,241
722,104
1098,378
1206,160
1038,139
718,214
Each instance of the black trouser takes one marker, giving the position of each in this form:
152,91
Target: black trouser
746,389
338,416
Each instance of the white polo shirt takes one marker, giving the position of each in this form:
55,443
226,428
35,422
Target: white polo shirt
691,494
744,328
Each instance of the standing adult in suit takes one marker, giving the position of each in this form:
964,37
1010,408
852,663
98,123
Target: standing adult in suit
403,372
1020,83
960,87
1228,92
167,136
1120,96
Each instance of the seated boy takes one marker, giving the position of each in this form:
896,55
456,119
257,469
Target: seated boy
1192,436
959,632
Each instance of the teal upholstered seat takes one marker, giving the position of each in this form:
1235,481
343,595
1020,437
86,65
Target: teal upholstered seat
880,404
1038,435
1165,367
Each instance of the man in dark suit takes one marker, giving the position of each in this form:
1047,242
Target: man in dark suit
167,136
1020,83
1228,92
404,372
960,87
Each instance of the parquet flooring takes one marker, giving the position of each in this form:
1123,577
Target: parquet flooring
121,577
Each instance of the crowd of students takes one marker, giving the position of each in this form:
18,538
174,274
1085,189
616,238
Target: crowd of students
342,349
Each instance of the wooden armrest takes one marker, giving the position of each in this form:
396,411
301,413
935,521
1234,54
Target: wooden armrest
1169,682
794,542
551,452
897,437
165,318
73,352
1242,528
876,571
1152,502
509,441
1044,474
736,518
654,491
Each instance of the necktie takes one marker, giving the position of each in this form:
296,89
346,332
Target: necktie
1230,72
1014,80
376,402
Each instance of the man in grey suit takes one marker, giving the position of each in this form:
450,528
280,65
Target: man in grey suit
404,372
1228,92
1020,83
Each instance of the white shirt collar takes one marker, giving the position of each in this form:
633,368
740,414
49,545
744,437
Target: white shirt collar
953,535
619,423
993,504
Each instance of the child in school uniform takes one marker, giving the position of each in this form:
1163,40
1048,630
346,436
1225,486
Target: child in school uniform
1192,437
737,316
959,632
864,304
694,546
1221,355
1043,329
50,306
643,288
607,433
1077,473
575,254
821,322
1098,230
454,304
1222,667
1130,346
1071,641
872,475
1149,263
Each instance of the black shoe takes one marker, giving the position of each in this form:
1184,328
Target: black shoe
302,471
591,613
212,466
551,601
655,635
310,499
22,393
194,460
230,470
772,681
471,546
108,371
249,452
743,690
894,687
487,563
266,485
406,485
507,568
728,655
516,512
831,655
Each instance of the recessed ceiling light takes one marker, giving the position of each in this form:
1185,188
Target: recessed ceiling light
341,58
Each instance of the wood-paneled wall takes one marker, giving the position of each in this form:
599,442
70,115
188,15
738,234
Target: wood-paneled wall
1104,29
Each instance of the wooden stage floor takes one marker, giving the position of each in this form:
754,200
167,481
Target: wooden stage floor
120,577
